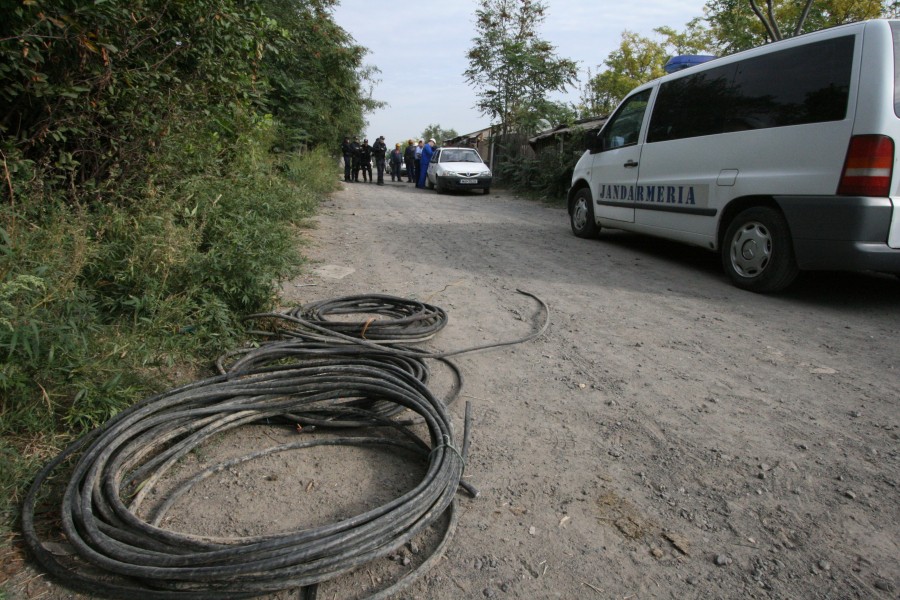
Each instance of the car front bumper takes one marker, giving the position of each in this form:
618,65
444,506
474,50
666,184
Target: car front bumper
456,182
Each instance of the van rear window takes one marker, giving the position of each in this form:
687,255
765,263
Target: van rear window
804,84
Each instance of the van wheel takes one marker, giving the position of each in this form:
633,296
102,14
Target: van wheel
758,253
582,216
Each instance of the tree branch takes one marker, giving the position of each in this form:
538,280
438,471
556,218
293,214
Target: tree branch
772,20
769,32
803,16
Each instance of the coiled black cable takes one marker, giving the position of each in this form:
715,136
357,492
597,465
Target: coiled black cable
132,452
123,555
298,351
407,320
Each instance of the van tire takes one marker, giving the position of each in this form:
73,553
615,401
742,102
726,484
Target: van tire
757,252
581,217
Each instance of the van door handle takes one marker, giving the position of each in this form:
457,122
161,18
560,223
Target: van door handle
630,164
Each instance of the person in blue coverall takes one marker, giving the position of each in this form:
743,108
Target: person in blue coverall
427,151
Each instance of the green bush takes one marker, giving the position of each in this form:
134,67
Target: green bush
142,209
101,307
547,175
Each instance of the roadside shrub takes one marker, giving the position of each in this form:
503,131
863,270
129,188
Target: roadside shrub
547,175
142,210
105,305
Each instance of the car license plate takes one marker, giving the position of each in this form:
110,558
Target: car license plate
468,181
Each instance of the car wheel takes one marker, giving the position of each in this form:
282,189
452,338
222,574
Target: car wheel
582,215
438,187
758,253
428,183
486,191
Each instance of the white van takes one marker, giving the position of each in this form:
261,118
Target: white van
781,158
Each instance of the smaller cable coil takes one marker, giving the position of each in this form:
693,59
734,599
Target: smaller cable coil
397,320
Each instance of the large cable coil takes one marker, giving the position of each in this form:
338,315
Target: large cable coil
121,462
308,372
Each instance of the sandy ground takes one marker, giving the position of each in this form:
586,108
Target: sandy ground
670,436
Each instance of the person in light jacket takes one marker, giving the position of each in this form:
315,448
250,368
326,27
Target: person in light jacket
418,161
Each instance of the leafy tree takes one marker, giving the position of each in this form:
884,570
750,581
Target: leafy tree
512,69
435,131
741,24
554,113
320,88
637,60
87,90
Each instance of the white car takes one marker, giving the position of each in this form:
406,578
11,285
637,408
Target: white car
458,169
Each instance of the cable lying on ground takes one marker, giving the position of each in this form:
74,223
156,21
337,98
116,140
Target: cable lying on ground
324,378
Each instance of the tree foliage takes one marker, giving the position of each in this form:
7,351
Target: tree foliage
438,133
143,210
320,88
512,68
89,89
637,60
735,26
729,26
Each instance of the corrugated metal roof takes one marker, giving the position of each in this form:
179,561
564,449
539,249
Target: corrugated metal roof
584,124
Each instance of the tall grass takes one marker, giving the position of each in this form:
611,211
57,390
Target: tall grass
108,301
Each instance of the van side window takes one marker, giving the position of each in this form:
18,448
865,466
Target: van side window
624,127
693,106
806,84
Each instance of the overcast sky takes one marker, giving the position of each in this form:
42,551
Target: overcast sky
420,48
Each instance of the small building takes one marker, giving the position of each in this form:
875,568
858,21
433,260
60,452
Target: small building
559,136
480,140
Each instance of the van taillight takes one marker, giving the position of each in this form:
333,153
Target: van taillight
868,166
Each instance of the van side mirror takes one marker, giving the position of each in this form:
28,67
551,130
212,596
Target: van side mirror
594,141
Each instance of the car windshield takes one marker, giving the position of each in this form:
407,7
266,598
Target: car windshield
462,155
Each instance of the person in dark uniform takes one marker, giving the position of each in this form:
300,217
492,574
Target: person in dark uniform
365,160
409,157
379,148
347,152
354,159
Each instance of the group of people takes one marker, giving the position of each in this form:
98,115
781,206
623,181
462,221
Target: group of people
358,157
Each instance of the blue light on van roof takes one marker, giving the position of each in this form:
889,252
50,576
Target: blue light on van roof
686,61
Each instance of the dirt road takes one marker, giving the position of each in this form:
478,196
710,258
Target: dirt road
669,437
